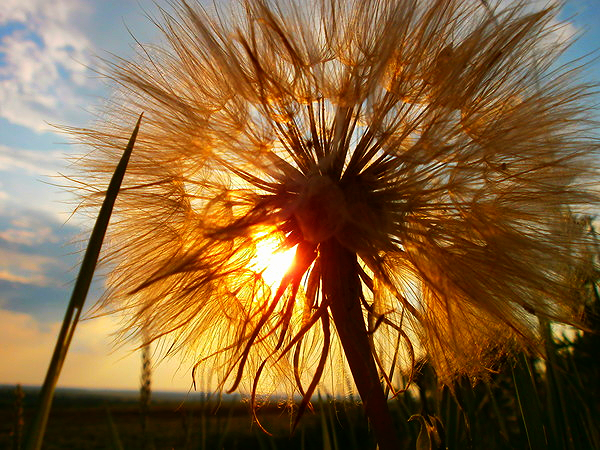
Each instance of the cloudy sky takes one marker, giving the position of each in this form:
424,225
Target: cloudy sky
46,51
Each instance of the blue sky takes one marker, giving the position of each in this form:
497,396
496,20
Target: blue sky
46,49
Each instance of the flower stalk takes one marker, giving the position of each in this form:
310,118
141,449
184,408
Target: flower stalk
343,292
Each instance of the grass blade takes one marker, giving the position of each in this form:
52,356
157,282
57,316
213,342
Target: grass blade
529,404
82,285
115,438
324,426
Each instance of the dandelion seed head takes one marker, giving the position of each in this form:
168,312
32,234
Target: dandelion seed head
439,142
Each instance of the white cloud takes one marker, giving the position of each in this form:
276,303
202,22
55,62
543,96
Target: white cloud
31,228
34,250
92,361
560,32
44,57
19,267
29,237
5,275
30,180
33,162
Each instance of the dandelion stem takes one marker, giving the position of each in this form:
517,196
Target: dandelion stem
342,288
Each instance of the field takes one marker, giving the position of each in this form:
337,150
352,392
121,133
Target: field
527,404
82,419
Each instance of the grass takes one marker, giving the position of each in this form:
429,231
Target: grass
520,407
79,421
37,429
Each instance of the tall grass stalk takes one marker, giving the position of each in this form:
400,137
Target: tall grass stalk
115,438
82,284
324,426
145,396
19,421
529,403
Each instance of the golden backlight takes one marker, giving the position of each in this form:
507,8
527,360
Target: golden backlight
270,260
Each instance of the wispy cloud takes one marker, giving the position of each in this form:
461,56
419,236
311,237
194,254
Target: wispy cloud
30,181
28,237
46,48
32,162
32,228
32,249
19,267
44,53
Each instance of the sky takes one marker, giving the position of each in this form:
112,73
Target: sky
47,54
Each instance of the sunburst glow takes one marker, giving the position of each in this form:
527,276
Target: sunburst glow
271,260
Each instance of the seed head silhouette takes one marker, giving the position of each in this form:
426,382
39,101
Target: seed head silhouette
421,158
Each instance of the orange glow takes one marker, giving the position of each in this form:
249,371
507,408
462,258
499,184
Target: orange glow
270,260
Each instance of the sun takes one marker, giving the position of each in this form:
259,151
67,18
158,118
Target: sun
271,260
